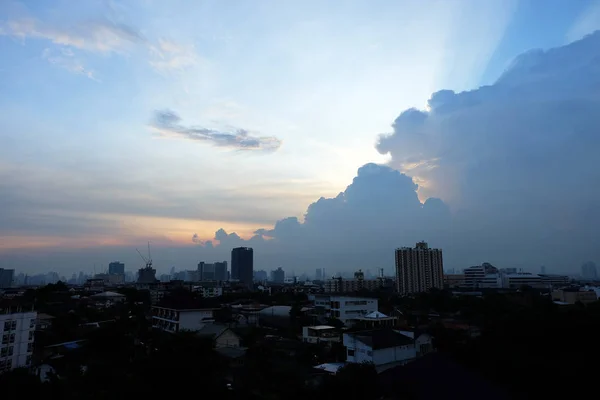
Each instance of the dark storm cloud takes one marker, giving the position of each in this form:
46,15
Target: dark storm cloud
168,122
516,161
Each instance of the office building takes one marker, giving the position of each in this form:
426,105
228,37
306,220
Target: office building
6,278
242,265
212,272
260,276
319,274
116,267
183,319
418,269
278,275
17,326
221,271
588,271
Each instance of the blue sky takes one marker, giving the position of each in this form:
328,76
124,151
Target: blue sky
274,104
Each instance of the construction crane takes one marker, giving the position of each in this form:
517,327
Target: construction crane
148,260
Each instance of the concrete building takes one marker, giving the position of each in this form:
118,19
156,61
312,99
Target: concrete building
177,320
208,290
116,267
344,308
278,275
419,269
382,347
454,280
17,327
320,334
242,265
574,295
359,283
588,271
6,278
216,271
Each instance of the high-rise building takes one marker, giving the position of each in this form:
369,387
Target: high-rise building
216,271
588,270
319,274
242,265
418,269
221,271
260,275
116,267
278,275
6,277
17,327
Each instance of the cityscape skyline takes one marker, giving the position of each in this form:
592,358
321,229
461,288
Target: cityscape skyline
120,127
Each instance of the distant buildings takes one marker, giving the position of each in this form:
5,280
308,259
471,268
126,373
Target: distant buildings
17,328
212,272
116,267
6,278
588,271
260,276
319,274
418,269
278,276
341,285
574,295
242,265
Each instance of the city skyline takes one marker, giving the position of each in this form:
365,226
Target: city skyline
121,126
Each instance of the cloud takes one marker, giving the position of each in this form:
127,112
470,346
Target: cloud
105,37
64,58
171,56
168,123
515,164
97,36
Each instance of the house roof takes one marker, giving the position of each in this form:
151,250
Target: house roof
381,338
231,352
375,315
108,295
212,330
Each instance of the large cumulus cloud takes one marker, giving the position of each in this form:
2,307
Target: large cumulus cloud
516,162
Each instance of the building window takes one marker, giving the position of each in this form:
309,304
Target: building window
32,324
9,364
10,350
369,353
7,325
3,352
30,335
13,326
12,338
28,361
351,352
2,364
29,347
5,338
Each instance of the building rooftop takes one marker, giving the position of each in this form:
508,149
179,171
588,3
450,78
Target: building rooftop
381,338
330,367
321,327
212,330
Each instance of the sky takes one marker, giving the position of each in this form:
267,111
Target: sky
323,134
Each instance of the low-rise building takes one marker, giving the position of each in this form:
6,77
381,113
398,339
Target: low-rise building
454,280
344,308
221,335
177,320
574,295
17,327
382,347
320,334
375,320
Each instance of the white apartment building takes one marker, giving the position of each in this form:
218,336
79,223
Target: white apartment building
380,347
17,327
177,320
344,308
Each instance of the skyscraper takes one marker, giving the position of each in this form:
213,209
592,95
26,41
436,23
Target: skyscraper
221,271
588,270
278,275
242,265
116,267
418,269
318,274
212,272
6,277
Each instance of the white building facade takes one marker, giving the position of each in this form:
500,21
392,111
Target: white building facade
380,347
344,308
174,320
17,329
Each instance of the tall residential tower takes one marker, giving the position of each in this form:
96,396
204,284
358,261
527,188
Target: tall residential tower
242,265
418,269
